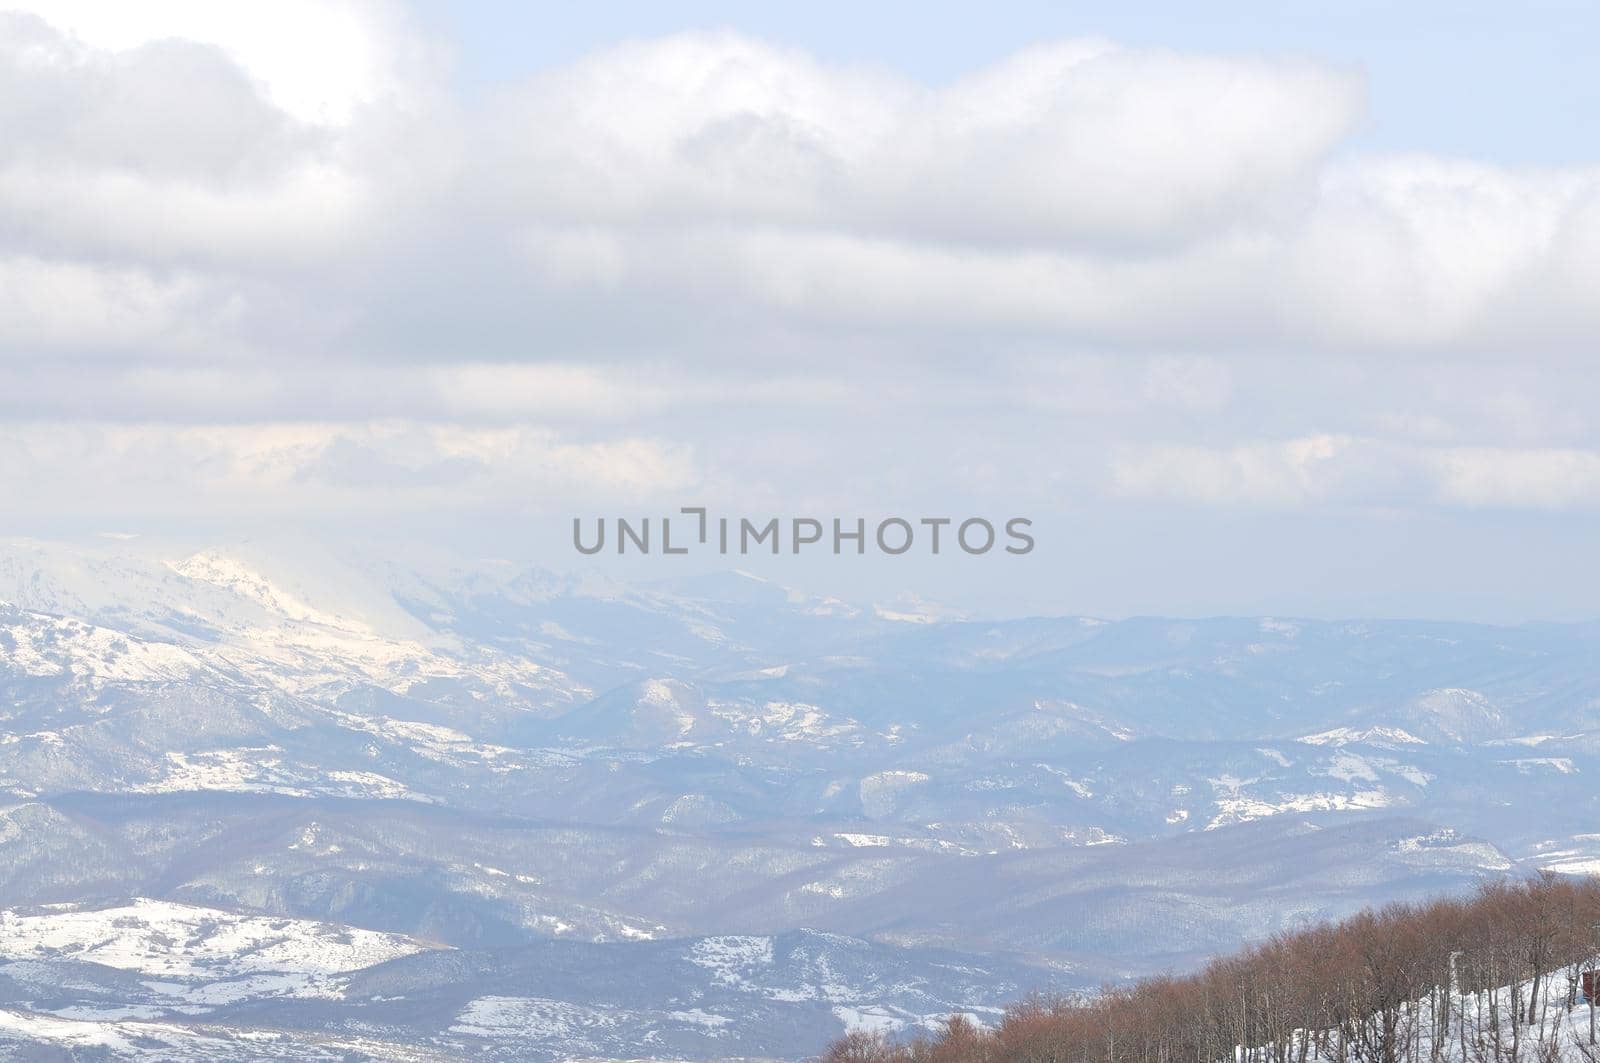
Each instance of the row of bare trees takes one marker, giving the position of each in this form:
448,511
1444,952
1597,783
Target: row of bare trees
1492,978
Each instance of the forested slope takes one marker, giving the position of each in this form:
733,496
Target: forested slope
1494,977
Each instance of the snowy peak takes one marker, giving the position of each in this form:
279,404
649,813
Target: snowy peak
233,577
132,618
1388,737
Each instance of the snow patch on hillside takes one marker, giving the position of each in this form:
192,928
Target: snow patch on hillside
164,939
36,645
1375,736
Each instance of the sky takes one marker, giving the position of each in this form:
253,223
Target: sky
1274,308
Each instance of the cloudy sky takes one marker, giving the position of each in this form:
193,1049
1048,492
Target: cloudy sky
1290,308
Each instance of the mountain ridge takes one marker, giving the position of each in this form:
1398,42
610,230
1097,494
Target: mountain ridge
498,759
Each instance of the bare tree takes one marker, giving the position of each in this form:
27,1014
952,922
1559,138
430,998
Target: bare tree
1488,979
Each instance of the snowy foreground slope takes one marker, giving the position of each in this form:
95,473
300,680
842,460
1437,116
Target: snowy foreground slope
1506,1022
249,806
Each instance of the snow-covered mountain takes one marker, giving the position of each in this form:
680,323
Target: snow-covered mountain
475,763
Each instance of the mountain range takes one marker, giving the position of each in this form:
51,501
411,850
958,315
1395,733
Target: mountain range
253,806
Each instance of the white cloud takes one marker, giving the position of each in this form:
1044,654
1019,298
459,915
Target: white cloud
280,468
1082,191
275,230
1187,382
1423,252
1079,141
1491,477
206,162
118,312
318,60
1390,255
533,390
1355,472
1287,473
